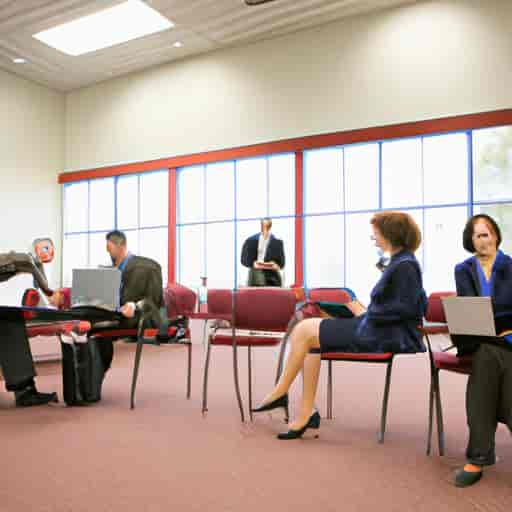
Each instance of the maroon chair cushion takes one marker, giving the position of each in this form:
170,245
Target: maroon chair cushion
452,363
329,295
116,333
53,329
362,357
433,329
30,297
180,300
264,308
245,340
435,311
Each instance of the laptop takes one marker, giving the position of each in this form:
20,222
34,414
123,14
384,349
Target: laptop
97,287
471,316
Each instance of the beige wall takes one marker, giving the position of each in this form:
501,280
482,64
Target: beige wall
429,60
31,154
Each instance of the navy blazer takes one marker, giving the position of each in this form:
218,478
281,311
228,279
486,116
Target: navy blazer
468,284
274,252
398,305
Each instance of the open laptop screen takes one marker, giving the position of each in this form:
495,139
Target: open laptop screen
96,287
469,315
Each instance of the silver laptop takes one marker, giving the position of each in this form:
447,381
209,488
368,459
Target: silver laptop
96,287
469,315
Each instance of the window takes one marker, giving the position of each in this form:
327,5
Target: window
220,205
135,204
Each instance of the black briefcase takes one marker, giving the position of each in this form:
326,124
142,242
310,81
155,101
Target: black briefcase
82,372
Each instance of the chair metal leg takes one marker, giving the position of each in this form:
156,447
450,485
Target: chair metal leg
205,331
329,390
280,361
204,408
189,369
249,371
237,382
439,413
385,402
138,353
430,415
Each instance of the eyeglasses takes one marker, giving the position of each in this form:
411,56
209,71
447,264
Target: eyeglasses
372,238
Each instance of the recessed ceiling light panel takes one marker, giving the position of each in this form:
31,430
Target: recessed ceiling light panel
123,22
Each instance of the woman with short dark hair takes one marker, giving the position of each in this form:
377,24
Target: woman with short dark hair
398,303
489,391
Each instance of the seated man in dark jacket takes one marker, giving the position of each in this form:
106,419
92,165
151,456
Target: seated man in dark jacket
263,254
141,280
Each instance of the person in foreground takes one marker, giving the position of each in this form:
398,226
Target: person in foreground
398,303
489,390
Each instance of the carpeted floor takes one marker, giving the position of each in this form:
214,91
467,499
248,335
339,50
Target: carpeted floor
165,455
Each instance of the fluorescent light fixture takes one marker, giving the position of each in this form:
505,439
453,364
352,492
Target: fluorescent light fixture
178,44
123,22
19,60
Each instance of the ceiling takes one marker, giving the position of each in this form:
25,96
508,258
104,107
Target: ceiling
201,25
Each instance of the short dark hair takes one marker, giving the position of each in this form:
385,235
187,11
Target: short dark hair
117,237
469,228
399,229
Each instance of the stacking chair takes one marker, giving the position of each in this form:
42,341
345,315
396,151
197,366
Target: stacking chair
259,318
439,360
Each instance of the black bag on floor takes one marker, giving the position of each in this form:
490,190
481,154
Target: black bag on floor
82,372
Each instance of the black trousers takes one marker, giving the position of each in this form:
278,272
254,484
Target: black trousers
488,401
15,355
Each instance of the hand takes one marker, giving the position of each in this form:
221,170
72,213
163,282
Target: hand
128,309
56,299
257,265
356,307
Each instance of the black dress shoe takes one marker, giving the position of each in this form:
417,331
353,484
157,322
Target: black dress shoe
282,401
313,422
30,396
466,478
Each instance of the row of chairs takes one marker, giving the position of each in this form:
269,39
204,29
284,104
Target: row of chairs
258,317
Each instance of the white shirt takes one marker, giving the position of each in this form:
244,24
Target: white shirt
262,247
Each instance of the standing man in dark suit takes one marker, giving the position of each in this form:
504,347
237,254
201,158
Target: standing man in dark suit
263,254
141,279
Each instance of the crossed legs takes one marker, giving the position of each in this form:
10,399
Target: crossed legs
303,338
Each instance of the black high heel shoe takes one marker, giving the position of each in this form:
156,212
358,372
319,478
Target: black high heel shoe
282,401
313,423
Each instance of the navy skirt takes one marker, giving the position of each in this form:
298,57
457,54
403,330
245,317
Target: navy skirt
341,335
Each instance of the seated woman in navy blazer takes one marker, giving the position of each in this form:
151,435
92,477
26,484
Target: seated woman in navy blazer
398,303
489,391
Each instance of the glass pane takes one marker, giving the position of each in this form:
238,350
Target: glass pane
128,202
154,203
74,256
445,169
154,245
417,215
98,254
251,188
132,240
220,255
191,265
244,230
76,206
362,274
401,173
101,204
324,251
492,163
220,191
502,214
281,172
323,180
190,206
362,177
284,229
443,247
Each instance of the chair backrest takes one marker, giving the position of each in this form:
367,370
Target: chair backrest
263,308
30,297
299,292
220,302
179,300
340,295
435,311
